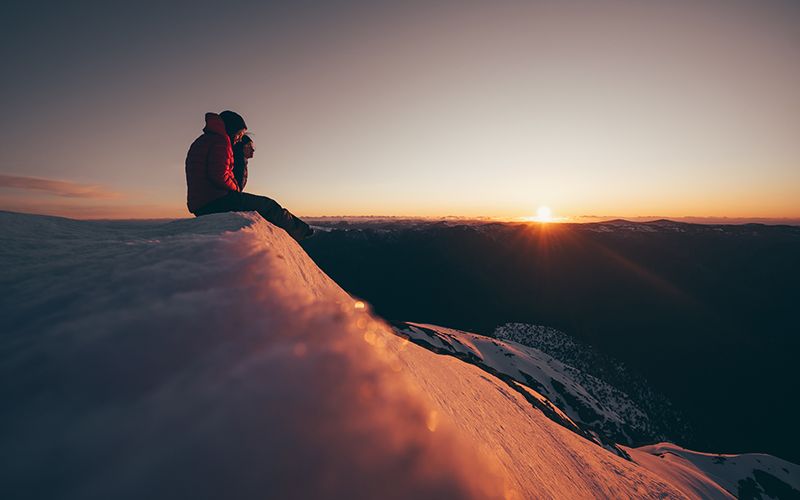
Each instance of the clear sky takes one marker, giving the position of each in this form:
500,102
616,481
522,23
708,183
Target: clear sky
493,108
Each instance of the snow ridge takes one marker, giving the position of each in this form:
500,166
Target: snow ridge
211,358
205,358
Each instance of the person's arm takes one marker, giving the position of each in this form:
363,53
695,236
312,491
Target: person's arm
218,171
244,174
239,166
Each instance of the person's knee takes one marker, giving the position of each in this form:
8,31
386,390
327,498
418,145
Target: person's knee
268,204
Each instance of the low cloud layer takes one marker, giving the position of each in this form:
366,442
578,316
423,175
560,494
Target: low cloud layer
57,188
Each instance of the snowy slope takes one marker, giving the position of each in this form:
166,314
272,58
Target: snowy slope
210,358
597,407
749,475
648,416
205,358
568,400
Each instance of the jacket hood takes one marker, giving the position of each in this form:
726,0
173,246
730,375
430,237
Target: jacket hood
214,124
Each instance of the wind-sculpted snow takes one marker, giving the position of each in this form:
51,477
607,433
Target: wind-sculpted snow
205,358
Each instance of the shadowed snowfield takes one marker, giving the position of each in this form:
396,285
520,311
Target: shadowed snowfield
211,358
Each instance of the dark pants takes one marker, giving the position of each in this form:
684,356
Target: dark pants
269,209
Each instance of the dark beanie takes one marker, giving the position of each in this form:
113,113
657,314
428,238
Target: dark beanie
233,122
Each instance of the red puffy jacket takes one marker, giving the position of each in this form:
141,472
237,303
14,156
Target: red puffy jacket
209,165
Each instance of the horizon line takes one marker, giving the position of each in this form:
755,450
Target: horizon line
580,219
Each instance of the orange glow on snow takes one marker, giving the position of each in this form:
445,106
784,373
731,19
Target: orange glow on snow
433,420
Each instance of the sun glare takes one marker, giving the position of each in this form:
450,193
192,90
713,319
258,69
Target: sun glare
544,214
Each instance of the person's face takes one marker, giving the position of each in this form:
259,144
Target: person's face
249,149
238,136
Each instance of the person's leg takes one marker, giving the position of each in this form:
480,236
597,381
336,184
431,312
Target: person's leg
268,208
228,203
276,214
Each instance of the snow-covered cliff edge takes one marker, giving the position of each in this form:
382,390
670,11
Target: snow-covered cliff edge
211,358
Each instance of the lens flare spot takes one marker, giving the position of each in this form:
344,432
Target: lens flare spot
432,421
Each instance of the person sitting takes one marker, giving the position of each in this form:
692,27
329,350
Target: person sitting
212,186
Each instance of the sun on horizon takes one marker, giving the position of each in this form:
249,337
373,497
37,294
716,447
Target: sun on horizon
544,214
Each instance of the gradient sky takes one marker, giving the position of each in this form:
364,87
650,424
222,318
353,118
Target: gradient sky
620,108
